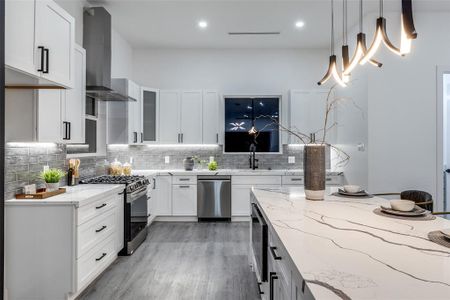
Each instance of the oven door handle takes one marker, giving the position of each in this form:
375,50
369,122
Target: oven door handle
136,195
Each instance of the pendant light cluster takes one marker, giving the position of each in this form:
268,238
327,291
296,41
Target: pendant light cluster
363,54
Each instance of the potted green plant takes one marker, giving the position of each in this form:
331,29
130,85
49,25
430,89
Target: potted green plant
52,178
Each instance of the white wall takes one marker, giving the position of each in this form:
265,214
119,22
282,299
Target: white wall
121,57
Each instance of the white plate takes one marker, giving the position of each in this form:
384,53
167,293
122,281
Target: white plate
362,193
417,212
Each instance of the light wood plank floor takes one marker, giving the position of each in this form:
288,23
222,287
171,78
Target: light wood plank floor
182,261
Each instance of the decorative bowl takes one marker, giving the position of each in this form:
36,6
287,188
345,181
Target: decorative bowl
402,205
353,189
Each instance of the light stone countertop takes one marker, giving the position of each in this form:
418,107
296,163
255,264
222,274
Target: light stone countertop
242,172
344,251
74,195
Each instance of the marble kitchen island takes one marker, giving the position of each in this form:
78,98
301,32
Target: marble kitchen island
342,250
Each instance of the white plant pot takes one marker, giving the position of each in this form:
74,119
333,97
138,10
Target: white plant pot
50,187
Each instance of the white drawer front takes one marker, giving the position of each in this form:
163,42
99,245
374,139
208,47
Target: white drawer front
95,230
184,179
256,180
91,210
95,261
292,180
280,258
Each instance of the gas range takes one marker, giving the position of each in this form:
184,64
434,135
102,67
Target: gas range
132,182
135,207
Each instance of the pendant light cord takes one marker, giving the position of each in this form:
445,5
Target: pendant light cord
344,22
332,27
381,8
361,16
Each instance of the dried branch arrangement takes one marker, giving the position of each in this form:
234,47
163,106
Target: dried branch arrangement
332,103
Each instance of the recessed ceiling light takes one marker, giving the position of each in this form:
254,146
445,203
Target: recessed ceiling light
299,24
202,24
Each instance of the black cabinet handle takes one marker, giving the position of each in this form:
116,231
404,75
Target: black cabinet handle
101,257
154,183
273,276
47,58
69,129
217,138
274,255
259,288
41,69
101,229
101,206
66,127
142,137
135,138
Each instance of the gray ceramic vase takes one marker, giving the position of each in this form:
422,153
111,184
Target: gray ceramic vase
314,171
188,163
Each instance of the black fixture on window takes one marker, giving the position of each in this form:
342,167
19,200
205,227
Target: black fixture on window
252,121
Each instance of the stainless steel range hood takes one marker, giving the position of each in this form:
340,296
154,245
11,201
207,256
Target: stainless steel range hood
97,42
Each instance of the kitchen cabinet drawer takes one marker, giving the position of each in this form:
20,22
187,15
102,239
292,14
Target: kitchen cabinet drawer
256,180
96,208
95,230
95,261
189,179
280,259
184,200
292,180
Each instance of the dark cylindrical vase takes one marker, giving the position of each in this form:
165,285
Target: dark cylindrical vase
314,171
188,163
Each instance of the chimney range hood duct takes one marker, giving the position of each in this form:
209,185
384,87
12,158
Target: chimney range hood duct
97,42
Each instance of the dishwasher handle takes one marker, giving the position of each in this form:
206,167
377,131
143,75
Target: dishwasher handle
213,178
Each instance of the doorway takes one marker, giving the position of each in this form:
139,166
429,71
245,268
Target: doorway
442,202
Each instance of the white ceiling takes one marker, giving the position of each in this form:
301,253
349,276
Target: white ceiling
173,24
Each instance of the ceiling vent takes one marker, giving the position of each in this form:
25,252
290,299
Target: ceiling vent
255,33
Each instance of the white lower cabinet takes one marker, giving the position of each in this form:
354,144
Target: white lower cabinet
59,262
184,200
162,199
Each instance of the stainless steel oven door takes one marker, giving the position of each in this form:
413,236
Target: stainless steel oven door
136,219
259,242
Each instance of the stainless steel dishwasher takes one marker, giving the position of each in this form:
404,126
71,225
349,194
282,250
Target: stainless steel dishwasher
213,197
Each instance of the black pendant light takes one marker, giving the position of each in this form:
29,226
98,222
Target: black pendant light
380,37
408,30
361,48
332,67
345,54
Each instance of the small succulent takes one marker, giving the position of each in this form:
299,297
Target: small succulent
52,175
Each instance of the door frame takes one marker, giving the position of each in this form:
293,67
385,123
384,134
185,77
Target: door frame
439,202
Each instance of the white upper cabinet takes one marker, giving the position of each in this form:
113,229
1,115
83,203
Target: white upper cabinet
75,102
307,113
49,121
169,117
43,44
134,114
191,117
150,116
210,117
19,46
125,117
